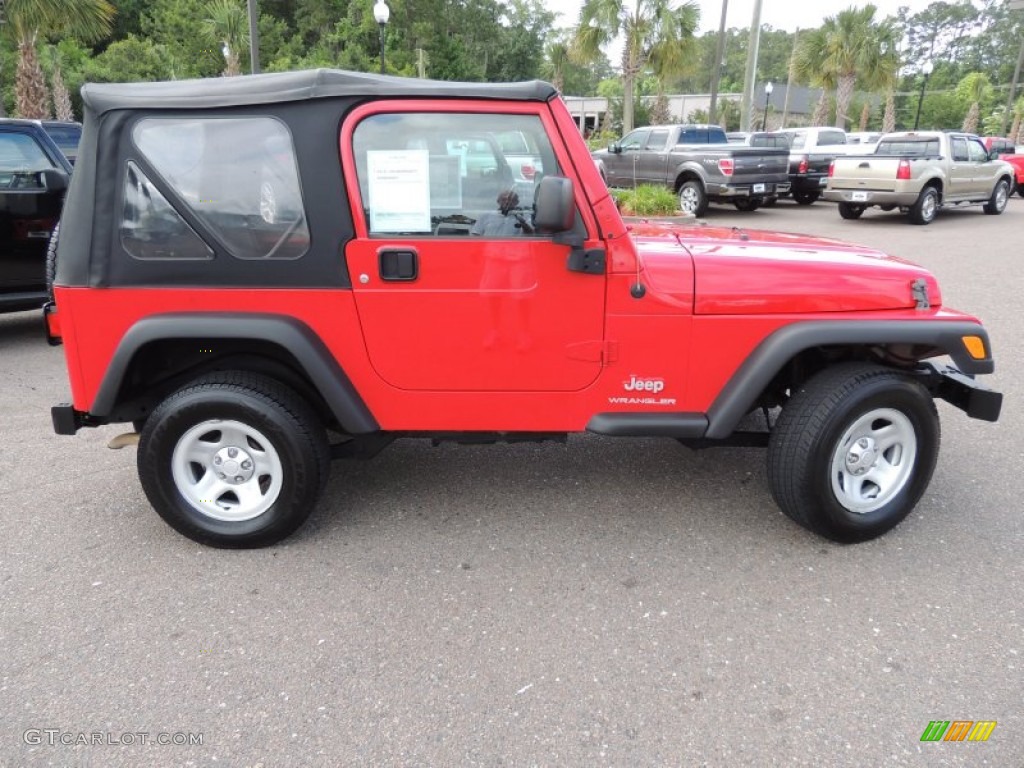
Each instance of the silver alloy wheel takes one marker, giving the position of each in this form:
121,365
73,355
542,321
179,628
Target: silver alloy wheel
227,470
873,460
929,206
1002,196
689,199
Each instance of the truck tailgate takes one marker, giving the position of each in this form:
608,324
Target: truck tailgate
877,174
760,162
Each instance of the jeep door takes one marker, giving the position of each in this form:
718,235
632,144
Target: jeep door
454,289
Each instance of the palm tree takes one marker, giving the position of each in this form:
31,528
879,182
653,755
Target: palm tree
850,47
555,62
228,26
806,66
653,31
1018,116
87,20
976,87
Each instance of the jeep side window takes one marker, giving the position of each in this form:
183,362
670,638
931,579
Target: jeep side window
447,174
151,228
237,175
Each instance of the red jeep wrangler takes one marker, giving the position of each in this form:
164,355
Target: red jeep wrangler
264,272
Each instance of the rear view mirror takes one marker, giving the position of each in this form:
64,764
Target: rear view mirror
615,148
555,205
54,180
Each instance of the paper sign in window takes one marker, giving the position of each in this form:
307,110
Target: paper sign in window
399,190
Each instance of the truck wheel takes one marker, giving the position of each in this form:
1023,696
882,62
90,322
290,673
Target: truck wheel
769,202
51,260
233,460
851,211
927,205
746,204
692,198
805,198
997,203
853,451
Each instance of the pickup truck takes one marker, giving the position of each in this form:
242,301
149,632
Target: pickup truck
261,273
811,152
919,173
33,177
698,164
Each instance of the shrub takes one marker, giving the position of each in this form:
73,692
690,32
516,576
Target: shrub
647,200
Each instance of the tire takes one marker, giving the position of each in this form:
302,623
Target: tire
769,202
926,207
692,198
851,211
226,421
997,202
1020,189
51,260
806,198
746,204
838,419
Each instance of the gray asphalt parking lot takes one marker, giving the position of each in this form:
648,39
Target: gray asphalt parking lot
609,602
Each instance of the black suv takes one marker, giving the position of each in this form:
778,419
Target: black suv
33,178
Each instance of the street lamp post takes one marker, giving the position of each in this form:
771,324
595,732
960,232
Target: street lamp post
768,88
926,70
381,13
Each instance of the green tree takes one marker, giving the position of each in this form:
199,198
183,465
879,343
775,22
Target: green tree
652,30
850,47
129,60
556,61
975,88
88,20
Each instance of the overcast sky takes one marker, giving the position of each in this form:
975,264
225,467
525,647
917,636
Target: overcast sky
780,14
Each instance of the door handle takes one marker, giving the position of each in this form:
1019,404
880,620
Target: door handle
398,265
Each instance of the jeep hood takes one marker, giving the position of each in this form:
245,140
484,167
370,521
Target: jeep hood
741,271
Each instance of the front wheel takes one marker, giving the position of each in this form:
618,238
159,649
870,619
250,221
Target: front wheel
806,198
853,451
997,202
692,198
851,211
1020,189
233,460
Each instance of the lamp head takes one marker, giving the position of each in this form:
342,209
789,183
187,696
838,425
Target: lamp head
769,88
381,12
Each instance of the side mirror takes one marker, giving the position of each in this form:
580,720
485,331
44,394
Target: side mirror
615,148
994,154
555,205
54,180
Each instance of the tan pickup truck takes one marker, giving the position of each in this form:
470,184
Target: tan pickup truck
919,173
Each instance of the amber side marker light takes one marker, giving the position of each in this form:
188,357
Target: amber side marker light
975,347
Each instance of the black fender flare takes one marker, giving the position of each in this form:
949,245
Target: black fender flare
741,392
292,335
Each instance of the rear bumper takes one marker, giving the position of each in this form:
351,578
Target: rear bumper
870,197
962,391
756,190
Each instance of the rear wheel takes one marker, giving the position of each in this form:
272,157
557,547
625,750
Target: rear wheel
233,460
997,202
806,198
926,207
746,204
692,198
851,211
853,451
51,260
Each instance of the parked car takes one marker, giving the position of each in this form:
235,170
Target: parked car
65,135
811,152
33,178
919,173
698,164
1008,151
247,347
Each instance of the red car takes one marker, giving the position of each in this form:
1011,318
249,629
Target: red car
260,273
1008,151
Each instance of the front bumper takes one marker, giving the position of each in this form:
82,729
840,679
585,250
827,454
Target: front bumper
962,391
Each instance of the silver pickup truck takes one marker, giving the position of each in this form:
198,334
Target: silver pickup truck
919,173
698,164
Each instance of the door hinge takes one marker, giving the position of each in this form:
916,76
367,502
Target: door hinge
603,352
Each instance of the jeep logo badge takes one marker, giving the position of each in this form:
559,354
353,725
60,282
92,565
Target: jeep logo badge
636,384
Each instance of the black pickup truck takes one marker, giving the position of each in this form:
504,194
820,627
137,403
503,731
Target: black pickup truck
698,164
34,175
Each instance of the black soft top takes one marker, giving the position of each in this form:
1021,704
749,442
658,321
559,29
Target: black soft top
294,86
